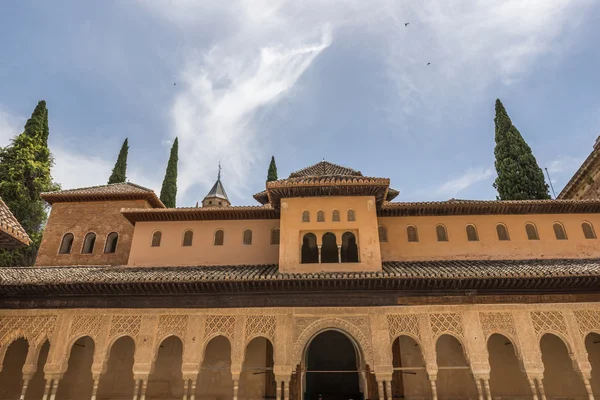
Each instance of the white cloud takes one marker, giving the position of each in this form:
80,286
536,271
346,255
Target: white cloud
456,185
10,126
564,164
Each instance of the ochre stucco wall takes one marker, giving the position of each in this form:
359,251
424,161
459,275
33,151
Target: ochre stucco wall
202,251
364,228
79,218
489,247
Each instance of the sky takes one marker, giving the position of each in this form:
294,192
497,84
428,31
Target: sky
347,81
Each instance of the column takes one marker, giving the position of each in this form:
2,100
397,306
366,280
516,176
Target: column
143,389
286,389
380,391
47,388
193,389
432,382
278,393
136,389
588,388
319,248
54,389
533,388
388,389
186,383
95,387
486,387
339,254
540,386
26,380
479,390
236,386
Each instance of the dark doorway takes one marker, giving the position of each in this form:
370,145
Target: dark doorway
349,248
329,249
310,252
331,368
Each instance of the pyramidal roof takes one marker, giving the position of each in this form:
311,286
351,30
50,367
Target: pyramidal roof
111,191
325,168
217,191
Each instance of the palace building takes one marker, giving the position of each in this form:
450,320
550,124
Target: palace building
327,289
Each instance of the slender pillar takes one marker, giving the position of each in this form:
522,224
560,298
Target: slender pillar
47,388
54,389
24,388
136,389
541,389
236,386
479,390
95,387
278,392
588,388
388,389
380,392
144,387
286,390
193,389
339,254
432,382
486,388
185,388
534,393
319,247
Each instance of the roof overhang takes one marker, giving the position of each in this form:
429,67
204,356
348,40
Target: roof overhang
58,197
11,239
198,213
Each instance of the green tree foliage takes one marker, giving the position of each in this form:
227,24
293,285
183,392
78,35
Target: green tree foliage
119,172
25,166
519,176
272,174
168,192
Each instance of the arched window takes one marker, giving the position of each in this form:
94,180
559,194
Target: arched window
335,216
188,238
66,244
247,237
219,237
559,231
351,215
310,252
382,231
305,216
275,236
350,248
502,232
320,216
88,243
588,230
442,234
156,237
472,233
532,233
329,249
412,233
111,242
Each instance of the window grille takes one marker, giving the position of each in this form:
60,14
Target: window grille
247,237
532,233
472,233
156,237
559,231
382,230
188,237
502,232
219,237
442,234
275,236
588,230
412,234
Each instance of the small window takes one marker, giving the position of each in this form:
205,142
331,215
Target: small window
88,243
188,238
219,237
247,237
559,231
351,215
412,233
320,216
472,235
111,242
502,232
588,230
275,236
66,244
442,234
382,230
305,216
335,216
532,233
156,237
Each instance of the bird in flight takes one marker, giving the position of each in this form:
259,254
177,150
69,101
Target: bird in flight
428,64
174,84
406,23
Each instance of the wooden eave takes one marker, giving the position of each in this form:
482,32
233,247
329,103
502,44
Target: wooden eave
57,197
199,213
491,207
12,240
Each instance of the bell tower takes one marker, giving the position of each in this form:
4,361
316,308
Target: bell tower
216,197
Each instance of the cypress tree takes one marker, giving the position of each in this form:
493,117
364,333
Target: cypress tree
25,167
119,172
272,174
168,192
519,176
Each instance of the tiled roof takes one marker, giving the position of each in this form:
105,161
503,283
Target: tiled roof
477,275
12,233
324,168
483,207
582,173
199,213
217,191
114,191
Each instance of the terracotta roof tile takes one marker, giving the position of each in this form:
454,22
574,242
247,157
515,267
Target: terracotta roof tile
12,233
114,191
324,168
199,213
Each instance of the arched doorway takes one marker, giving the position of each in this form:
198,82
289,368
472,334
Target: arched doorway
507,379
77,383
329,249
166,380
117,382
349,248
332,368
455,379
11,376
560,379
409,379
310,252
214,380
592,345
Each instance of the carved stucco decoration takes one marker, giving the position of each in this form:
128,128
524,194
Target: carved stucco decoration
172,325
498,322
125,325
220,325
588,321
87,325
260,325
442,323
404,324
549,321
355,327
32,328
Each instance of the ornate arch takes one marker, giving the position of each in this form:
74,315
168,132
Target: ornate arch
355,333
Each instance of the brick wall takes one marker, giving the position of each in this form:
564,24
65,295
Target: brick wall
79,218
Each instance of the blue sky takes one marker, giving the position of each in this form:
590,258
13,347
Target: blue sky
346,81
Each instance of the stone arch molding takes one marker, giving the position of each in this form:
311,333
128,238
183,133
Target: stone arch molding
362,339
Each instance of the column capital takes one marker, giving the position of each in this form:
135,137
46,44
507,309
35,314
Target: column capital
141,376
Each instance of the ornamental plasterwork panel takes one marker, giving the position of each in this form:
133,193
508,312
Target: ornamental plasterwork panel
446,323
402,324
172,325
548,321
220,325
588,321
301,323
29,327
125,325
497,322
261,325
87,325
